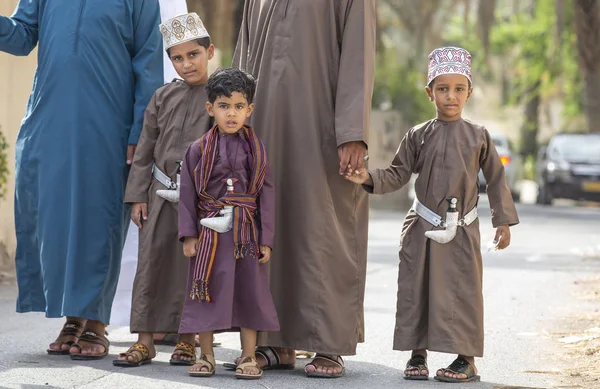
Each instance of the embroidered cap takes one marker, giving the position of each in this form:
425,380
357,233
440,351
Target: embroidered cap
181,29
449,60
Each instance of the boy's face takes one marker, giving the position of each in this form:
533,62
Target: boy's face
450,92
190,60
230,113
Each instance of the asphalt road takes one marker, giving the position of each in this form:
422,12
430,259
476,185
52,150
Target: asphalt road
528,288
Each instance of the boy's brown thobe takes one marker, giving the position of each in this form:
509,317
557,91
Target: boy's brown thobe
440,300
175,117
314,61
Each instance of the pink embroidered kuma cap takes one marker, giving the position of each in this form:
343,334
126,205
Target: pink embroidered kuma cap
449,60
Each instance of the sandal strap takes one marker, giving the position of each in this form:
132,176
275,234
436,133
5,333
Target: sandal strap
417,362
138,351
94,338
186,349
270,355
248,362
337,359
460,366
71,328
207,360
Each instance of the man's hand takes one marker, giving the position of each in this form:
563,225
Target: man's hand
265,252
139,213
502,234
352,156
190,246
130,153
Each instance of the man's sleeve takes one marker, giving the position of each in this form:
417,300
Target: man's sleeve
356,72
19,33
147,61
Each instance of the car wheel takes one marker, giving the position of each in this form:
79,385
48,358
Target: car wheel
516,196
544,196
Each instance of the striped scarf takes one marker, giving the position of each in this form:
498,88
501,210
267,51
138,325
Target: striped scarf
245,230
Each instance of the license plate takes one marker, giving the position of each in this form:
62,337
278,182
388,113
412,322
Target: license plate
591,186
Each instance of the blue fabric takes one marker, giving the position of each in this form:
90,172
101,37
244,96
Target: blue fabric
99,62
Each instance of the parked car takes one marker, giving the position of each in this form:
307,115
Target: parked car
569,167
513,166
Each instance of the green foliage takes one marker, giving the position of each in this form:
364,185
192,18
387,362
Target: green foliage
3,165
534,58
401,88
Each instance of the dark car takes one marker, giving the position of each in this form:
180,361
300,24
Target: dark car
569,168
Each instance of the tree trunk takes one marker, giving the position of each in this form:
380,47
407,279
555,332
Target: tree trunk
485,13
587,22
218,17
529,129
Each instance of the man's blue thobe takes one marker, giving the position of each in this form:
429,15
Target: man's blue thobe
99,62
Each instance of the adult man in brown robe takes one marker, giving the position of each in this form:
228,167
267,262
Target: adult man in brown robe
314,61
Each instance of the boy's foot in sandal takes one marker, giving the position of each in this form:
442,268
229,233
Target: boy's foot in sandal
248,369
136,356
325,366
204,367
92,345
416,368
270,358
69,335
459,371
183,355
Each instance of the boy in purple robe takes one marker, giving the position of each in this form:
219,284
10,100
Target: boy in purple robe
226,223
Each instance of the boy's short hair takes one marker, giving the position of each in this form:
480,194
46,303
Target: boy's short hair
224,82
204,42
430,86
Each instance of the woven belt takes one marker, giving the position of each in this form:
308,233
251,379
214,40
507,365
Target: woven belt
437,221
163,178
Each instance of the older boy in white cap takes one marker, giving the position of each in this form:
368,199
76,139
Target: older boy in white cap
440,300
175,117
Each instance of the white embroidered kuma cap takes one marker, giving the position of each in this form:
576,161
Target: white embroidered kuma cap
181,29
449,60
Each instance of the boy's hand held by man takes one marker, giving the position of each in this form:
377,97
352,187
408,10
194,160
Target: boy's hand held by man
139,213
190,246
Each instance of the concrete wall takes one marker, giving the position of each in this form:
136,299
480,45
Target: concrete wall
16,76
387,130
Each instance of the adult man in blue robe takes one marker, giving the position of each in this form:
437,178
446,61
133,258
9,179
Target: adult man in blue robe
99,62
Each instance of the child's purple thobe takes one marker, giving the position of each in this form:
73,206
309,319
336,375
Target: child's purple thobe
239,288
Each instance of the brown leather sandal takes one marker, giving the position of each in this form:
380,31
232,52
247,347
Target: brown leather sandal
185,350
140,354
93,338
336,360
459,366
70,328
244,364
207,361
416,363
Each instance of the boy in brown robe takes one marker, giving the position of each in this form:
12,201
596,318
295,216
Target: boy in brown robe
175,118
440,300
